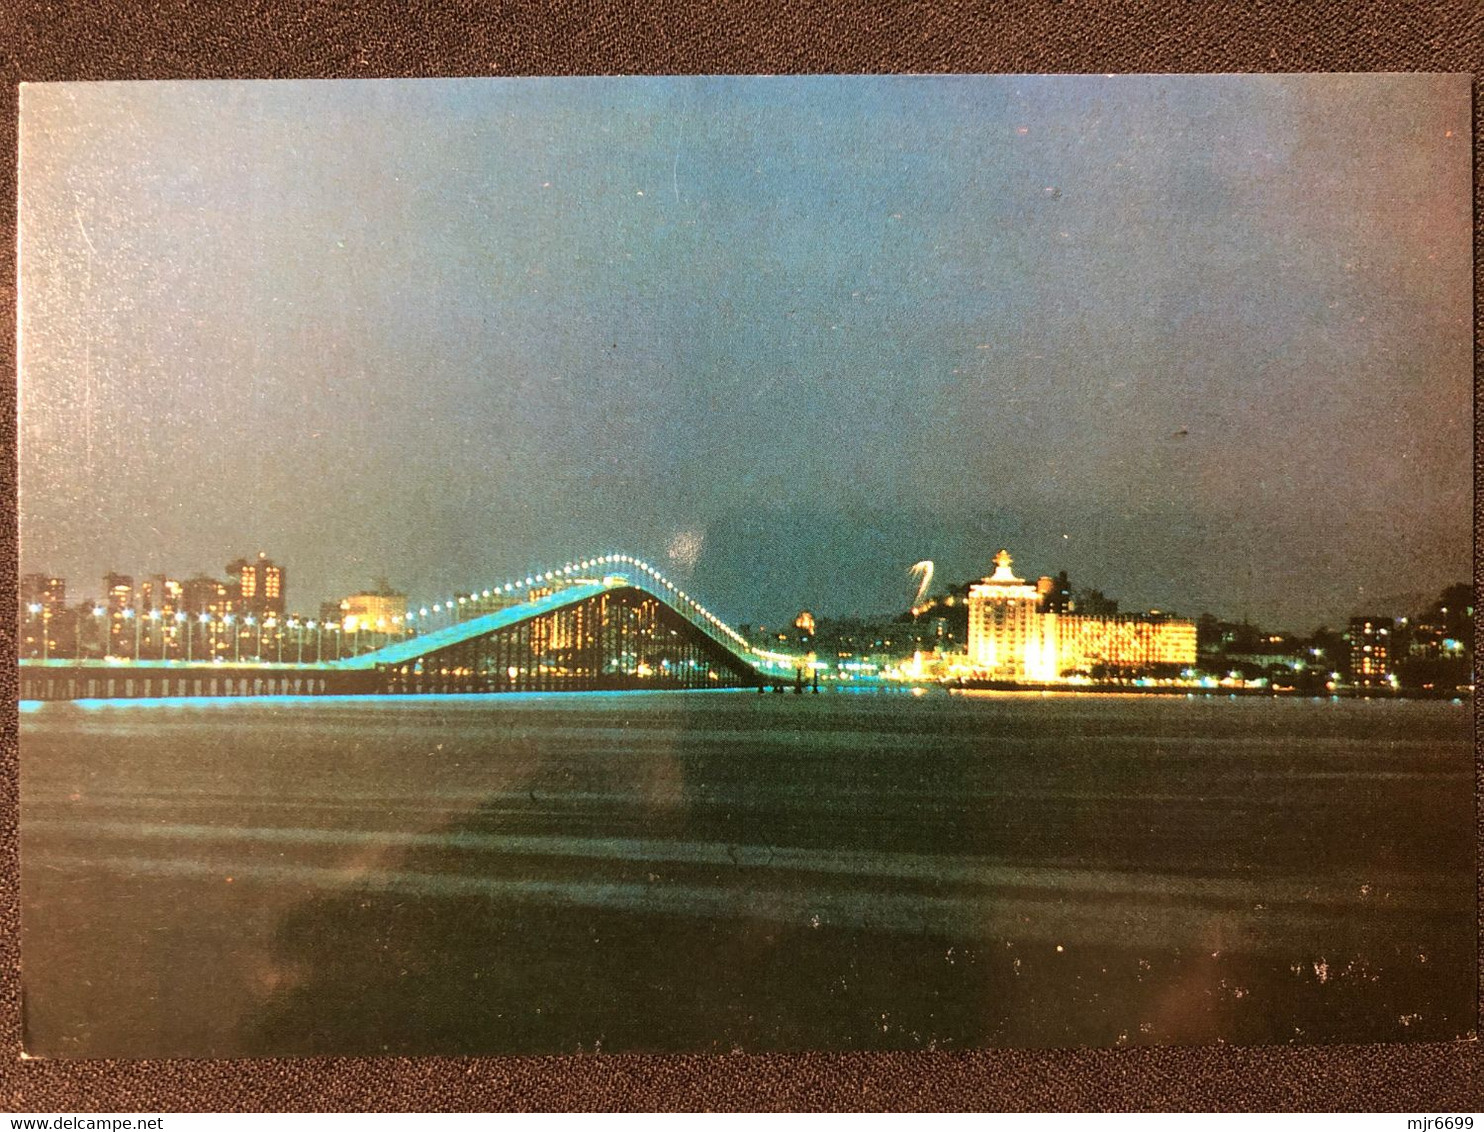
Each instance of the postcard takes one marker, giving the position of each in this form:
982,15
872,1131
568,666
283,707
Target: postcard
740,563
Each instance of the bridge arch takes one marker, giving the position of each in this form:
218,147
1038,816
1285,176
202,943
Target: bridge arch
580,635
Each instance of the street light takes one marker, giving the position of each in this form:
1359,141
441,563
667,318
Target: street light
98,612
35,610
129,616
228,619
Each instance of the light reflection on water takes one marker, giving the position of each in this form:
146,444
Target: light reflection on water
722,869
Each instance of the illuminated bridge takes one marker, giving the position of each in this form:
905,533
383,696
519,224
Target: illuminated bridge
610,622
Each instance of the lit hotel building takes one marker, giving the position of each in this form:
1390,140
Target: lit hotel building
1013,636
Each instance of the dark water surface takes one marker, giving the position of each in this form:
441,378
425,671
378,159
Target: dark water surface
707,871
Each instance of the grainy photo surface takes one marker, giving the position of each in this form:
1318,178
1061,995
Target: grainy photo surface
555,565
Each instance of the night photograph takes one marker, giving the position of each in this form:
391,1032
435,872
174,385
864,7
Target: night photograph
711,564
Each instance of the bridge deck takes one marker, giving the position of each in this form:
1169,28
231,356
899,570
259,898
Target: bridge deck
399,652
383,668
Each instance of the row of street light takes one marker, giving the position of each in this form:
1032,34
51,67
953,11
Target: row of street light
452,610
446,612
160,633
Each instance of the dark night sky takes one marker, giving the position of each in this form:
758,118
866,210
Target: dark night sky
1202,342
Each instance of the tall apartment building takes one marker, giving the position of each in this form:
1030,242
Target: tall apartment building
41,610
43,590
160,599
1371,657
160,595
118,604
259,586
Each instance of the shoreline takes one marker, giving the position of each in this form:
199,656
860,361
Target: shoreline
1198,690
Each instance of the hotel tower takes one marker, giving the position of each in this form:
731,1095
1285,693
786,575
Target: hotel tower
1013,637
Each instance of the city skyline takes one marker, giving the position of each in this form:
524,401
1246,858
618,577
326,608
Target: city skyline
201,592
541,566
784,337
548,631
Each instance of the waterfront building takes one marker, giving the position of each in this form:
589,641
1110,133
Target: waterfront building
160,599
42,609
1010,638
118,592
209,607
89,630
1371,657
118,602
1016,633
804,623
379,611
260,586
159,594
1087,643
206,595
1442,631
44,590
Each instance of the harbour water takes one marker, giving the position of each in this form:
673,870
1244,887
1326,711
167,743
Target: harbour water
719,871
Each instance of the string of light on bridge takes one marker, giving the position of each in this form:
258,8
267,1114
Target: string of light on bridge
517,589
565,573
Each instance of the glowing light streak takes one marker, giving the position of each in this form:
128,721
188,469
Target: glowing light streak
923,572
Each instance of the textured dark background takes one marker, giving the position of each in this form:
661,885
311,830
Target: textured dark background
169,39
